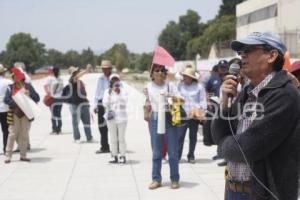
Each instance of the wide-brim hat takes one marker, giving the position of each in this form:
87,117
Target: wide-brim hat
258,38
106,64
73,69
2,69
190,72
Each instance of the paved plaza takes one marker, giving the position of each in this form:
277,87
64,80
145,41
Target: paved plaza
61,169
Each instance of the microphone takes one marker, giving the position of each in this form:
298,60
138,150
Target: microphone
234,69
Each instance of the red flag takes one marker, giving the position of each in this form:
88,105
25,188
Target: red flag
287,63
162,57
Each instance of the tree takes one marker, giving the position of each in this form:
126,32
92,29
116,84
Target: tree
87,57
55,58
2,57
220,30
228,7
175,37
189,23
72,58
23,48
170,38
144,61
119,55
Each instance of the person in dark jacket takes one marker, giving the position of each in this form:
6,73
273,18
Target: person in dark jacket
19,124
79,104
259,134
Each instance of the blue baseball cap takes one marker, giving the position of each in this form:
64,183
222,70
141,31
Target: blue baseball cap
258,38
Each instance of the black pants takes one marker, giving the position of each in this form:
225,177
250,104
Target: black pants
192,125
4,127
102,127
56,116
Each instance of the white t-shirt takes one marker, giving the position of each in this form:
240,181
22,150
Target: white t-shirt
55,86
155,90
3,87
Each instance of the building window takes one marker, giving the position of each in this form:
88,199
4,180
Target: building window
258,15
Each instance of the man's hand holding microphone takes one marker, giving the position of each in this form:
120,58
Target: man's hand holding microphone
229,86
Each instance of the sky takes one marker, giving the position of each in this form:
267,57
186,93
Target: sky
98,24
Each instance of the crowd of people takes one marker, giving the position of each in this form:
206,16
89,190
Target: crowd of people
251,114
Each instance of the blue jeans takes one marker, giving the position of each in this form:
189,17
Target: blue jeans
192,125
157,143
56,116
237,195
81,111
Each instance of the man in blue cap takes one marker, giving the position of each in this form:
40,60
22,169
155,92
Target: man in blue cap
259,134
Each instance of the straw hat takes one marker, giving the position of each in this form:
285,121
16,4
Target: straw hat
190,72
73,69
2,69
106,64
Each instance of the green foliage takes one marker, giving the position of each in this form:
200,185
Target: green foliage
55,58
144,62
170,39
72,58
175,37
119,55
189,23
87,57
228,7
220,30
23,48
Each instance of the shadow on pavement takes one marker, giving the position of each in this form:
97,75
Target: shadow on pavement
40,159
132,162
204,160
36,150
184,184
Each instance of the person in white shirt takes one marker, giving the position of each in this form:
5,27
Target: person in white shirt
102,85
195,106
154,89
3,107
115,101
55,86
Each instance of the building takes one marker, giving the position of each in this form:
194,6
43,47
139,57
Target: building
279,16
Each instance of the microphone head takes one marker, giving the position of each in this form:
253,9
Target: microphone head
234,69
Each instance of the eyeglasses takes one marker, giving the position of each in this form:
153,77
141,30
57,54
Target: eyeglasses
160,70
249,49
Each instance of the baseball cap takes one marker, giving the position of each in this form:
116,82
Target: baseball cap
223,63
259,38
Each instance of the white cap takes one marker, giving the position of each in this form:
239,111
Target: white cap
114,75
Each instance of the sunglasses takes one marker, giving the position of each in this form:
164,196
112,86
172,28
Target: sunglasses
160,70
249,49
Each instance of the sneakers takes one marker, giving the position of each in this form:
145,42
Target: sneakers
91,140
216,157
7,160
114,160
154,185
77,141
222,164
122,159
192,160
25,159
174,185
